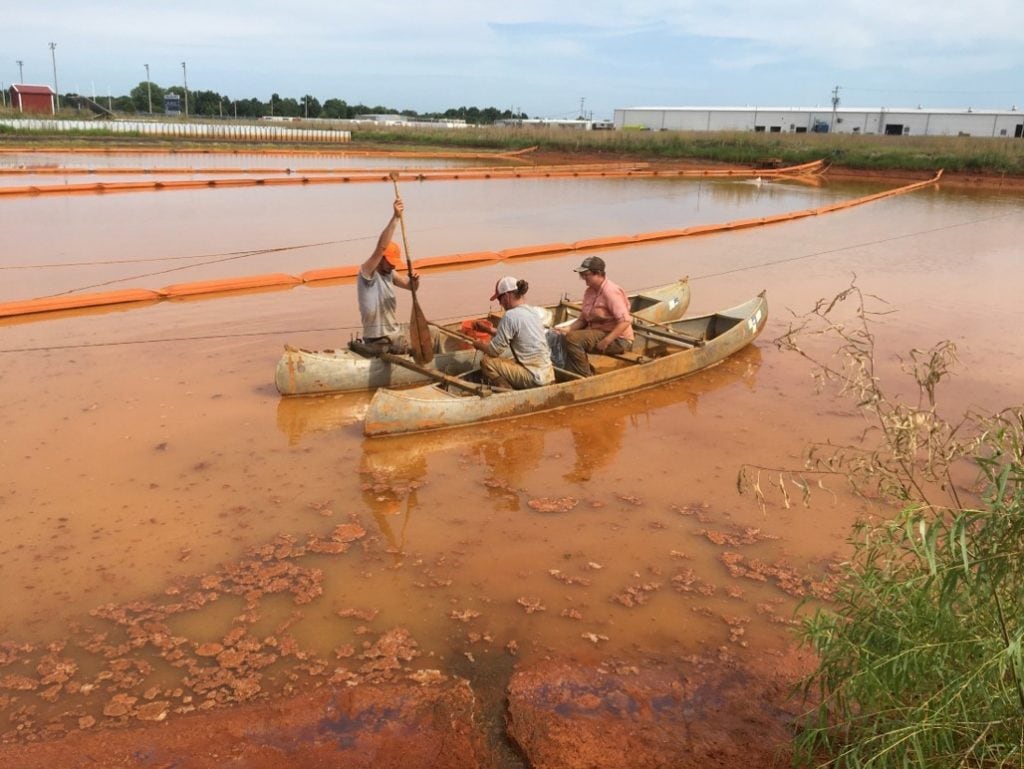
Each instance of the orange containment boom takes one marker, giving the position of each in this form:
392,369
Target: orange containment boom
290,178
75,301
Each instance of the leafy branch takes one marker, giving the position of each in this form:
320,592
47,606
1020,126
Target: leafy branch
921,653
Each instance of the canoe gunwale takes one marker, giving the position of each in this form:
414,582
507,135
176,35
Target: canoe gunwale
429,407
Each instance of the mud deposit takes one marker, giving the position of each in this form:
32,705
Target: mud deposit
200,573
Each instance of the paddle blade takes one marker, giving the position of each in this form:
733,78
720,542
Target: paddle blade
419,336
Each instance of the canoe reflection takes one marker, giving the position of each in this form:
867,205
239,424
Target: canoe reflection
393,469
299,417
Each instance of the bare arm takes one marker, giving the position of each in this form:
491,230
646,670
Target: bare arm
612,335
577,325
370,265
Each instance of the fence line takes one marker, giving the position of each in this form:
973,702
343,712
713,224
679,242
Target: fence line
245,132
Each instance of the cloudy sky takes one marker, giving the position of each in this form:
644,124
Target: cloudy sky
543,57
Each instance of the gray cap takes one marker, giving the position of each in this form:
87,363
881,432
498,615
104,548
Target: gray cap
591,264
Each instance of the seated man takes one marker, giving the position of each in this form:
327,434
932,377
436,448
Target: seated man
520,330
605,323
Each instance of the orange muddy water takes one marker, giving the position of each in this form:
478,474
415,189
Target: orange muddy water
160,503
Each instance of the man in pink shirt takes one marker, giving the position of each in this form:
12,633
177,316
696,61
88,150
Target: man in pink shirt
605,324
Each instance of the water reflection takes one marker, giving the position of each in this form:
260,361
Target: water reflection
393,469
299,417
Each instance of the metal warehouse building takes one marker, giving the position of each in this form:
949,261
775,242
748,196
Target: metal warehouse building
848,120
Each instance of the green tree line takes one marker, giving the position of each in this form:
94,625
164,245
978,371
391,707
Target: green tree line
213,104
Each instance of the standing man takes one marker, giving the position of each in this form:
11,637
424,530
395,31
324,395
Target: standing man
605,324
376,293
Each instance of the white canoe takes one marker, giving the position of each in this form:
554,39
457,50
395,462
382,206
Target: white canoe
660,354
308,372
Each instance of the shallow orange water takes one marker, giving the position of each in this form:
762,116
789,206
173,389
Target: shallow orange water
143,449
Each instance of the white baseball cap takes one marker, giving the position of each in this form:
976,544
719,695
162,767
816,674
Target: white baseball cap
505,285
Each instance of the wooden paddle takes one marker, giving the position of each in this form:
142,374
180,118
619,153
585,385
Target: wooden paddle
372,351
419,330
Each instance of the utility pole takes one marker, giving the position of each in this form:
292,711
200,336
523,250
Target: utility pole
583,99
53,58
21,71
149,89
835,103
184,72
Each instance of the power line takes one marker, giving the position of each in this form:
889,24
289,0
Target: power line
706,276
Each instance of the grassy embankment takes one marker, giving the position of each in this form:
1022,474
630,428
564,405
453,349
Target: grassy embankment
964,154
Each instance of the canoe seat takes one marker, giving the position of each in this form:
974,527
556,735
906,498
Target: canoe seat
605,363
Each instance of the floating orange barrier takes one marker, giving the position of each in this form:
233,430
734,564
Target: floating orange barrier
659,235
548,172
76,301
228,284
613,240
547,248
49,304
329,273
468,258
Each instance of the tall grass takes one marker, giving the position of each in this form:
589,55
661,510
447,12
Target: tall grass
921,653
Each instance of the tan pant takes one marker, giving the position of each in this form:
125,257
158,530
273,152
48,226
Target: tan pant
504,372
579,343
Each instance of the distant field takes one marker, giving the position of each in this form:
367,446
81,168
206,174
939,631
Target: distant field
966,154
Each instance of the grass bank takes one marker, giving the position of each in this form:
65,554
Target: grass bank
964,154
876,153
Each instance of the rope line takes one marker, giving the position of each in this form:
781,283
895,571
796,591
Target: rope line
72,299
227,258
705,276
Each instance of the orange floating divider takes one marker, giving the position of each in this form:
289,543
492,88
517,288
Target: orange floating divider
329,273
48,304
613,240
547,248
467,258
740,224
76,301
659,235
228,284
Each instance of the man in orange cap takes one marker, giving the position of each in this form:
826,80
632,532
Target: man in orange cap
376,293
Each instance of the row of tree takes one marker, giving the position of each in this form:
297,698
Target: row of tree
149,97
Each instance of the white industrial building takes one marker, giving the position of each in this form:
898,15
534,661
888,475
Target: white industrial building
848,120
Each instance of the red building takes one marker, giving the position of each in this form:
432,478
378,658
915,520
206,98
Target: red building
33,98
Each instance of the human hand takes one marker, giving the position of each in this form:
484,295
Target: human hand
602,345
399,208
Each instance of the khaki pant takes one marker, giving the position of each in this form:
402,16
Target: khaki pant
504,372
579,343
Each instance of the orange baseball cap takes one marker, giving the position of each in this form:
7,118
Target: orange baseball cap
393,254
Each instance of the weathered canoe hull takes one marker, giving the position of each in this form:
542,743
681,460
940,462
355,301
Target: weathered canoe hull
308,372
432,407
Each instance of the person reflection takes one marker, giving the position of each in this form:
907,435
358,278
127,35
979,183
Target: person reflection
510,461
597,444
389,481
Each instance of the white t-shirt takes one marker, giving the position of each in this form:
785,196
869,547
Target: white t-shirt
377,305
520,329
